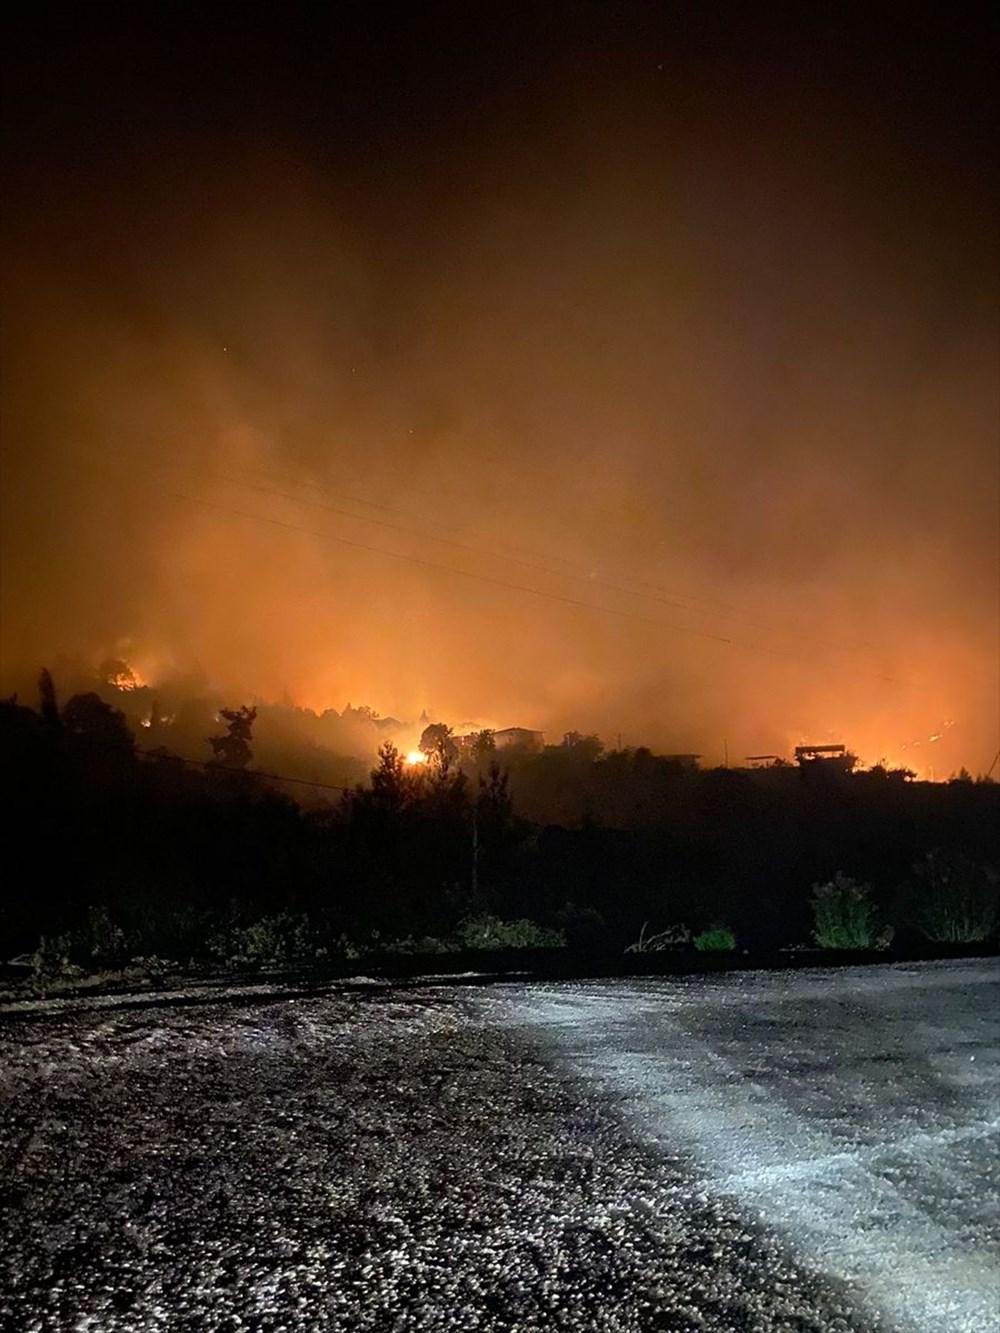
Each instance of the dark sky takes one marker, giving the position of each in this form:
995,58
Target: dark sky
620,367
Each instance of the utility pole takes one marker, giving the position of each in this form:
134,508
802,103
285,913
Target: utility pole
725,749
475,856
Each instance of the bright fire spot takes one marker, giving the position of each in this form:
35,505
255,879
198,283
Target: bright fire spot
125,680
416,757
121,675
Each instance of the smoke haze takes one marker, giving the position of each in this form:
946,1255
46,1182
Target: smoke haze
631,374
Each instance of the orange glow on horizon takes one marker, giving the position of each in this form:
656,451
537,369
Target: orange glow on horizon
930,755
704,469
916,755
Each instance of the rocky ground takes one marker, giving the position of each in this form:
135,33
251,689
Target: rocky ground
353,1161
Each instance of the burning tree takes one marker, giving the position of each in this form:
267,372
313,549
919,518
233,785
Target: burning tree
116,672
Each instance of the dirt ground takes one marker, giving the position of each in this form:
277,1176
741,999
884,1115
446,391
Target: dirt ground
382,1160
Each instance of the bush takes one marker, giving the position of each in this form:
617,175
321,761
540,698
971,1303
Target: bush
489,932
165,931
97,945
344,947
420,945
674,937
956,902
720,939
583,927
52,957
844,916
282,939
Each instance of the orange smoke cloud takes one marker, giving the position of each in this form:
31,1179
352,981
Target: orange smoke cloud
690,442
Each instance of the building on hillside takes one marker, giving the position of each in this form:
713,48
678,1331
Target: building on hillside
685,760
521,737
826,756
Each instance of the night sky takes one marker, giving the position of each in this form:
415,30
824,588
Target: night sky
618,367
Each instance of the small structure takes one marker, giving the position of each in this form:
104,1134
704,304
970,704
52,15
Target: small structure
762,760
831,756
522,737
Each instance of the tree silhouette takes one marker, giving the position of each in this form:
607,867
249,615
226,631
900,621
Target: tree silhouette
89,719
48,705
98,750
484,746
587,748
232,750
436,742
388,774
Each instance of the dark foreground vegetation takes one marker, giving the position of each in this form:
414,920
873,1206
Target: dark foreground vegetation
116,853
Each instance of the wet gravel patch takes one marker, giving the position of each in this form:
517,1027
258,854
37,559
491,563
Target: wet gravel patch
350,1162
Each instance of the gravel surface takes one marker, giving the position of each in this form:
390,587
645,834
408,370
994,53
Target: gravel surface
855,1110
388,1161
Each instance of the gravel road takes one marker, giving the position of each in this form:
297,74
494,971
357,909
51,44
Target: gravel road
385,1160
857,1111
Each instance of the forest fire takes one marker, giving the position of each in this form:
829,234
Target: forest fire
936,756
294,507
914,756
121,676
598,397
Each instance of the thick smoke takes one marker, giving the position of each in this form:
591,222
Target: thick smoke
647,389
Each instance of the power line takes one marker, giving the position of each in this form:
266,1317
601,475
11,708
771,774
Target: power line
167,755
513,587
640,590
654,596
504,583
654,593
469,574
574,567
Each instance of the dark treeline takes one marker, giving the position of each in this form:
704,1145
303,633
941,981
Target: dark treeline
175,858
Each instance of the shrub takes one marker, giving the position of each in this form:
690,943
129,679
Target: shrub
956,902
674,937
52,957
165,931
281,939
344,947
583,927
720,939
420,945
844,916
98,944
489,932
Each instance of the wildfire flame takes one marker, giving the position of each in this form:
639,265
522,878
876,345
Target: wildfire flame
911,754
416,757
916,755
126,680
